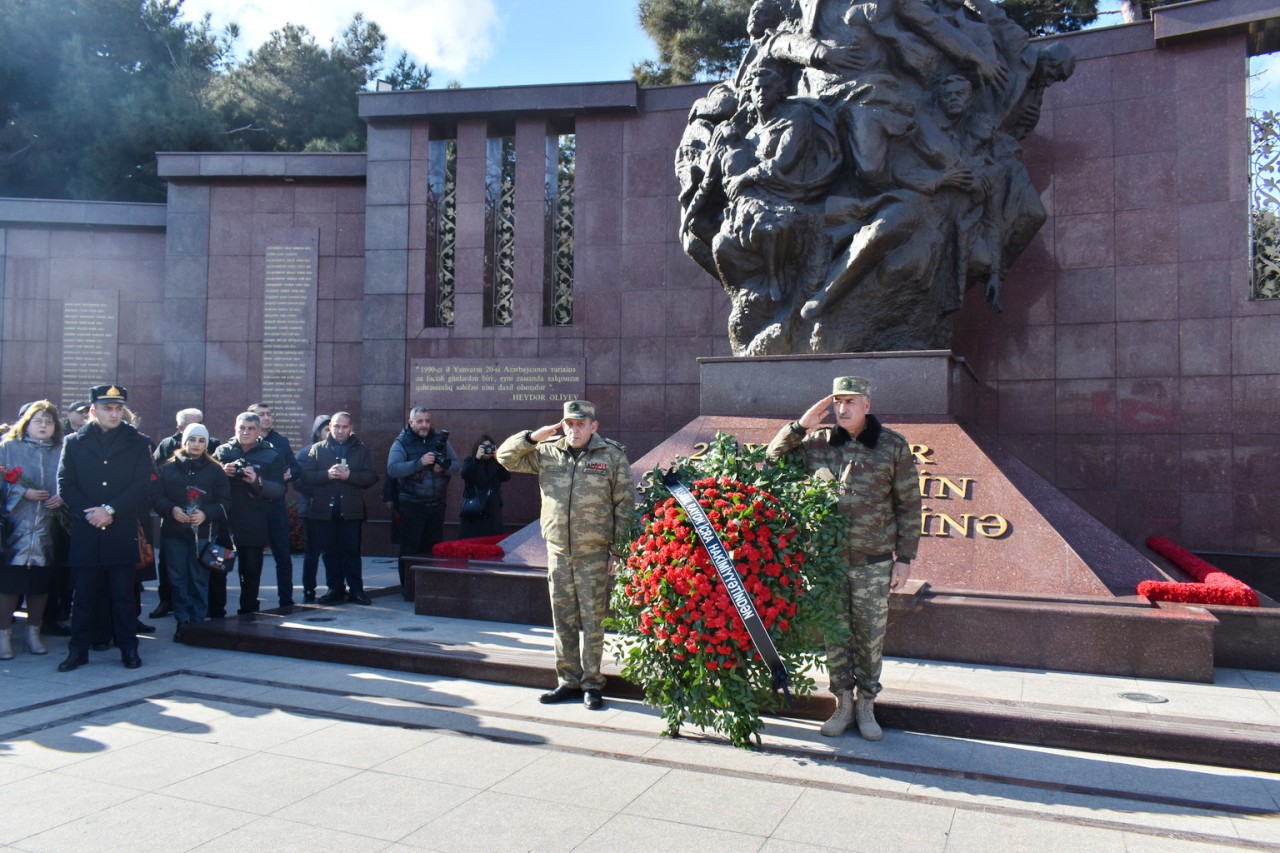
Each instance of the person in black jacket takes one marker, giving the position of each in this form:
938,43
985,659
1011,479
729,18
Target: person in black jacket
194,495
311,557
277,514
481,473
337,471
257,478
420,461
104,478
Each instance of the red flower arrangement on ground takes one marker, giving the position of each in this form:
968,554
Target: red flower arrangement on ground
1214,587
478,548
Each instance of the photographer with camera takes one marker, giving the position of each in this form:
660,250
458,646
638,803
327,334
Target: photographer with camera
420,462
256,472
482,493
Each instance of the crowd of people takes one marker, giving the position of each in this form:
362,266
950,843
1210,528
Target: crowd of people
83,497
80,496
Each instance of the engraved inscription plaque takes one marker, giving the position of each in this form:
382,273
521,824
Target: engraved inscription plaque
288,331
90,333
481,383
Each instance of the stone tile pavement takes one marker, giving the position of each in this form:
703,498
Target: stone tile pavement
204,749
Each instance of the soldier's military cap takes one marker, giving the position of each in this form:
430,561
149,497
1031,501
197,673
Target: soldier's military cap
108,394
78,406
843,386
579,409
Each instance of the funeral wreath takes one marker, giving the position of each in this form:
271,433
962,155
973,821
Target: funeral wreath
680,635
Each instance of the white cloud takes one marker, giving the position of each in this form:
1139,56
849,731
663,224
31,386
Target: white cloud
449,36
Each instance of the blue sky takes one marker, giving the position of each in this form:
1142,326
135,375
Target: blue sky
477,42
516,42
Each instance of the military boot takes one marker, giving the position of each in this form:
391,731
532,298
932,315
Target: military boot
865,712
6,644
33,641
843,716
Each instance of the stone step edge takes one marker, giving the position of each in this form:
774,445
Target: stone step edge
1242,746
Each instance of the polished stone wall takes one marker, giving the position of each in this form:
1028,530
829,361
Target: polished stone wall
1129,367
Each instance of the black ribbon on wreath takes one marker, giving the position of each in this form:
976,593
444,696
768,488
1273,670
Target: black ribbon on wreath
742,601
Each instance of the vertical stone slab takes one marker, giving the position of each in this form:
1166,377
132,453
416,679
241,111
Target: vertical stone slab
289,327
90,342
186,290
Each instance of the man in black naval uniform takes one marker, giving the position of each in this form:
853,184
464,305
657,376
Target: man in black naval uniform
104,478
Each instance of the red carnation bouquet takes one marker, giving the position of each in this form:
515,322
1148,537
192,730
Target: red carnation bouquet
14,477
680,636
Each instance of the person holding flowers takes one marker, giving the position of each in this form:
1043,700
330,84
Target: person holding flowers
880,501
587,503
194,495
29,458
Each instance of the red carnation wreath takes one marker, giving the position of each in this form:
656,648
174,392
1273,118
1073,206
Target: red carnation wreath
681,602
680,637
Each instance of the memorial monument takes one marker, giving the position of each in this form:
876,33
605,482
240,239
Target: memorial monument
861,171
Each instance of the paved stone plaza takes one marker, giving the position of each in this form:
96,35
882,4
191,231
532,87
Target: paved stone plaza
204,749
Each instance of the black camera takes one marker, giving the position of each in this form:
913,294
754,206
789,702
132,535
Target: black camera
488,448
237,469
442,438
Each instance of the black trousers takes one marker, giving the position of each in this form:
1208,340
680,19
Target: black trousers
340,544
249,569
421,529
92,584
278,537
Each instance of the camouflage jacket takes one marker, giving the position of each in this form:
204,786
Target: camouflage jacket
879,484
586,502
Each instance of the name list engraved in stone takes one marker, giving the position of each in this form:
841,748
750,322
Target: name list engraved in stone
90,334
288,330
478,383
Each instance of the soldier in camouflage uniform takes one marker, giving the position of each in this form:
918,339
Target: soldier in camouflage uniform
880,498
587,501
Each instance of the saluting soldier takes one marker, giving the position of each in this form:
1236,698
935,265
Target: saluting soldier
880,501
105,477
587,501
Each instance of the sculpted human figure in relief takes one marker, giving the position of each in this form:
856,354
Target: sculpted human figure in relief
861,170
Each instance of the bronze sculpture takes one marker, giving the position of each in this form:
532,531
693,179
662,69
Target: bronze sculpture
862,170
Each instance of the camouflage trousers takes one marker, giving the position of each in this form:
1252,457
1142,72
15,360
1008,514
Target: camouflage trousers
579,602
865,611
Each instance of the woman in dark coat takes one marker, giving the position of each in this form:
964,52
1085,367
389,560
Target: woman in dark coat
194,496
29,453
481,472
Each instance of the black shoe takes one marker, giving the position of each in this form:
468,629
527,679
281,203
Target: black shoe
100,647
286,604
55,629
333,596
73,661
560,694
162,610
143,628
130,659
591,700
177,634
358,598
308,596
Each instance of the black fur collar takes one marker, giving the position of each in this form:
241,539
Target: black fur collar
869,436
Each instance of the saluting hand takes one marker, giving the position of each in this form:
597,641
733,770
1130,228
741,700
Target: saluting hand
816,413
546,432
